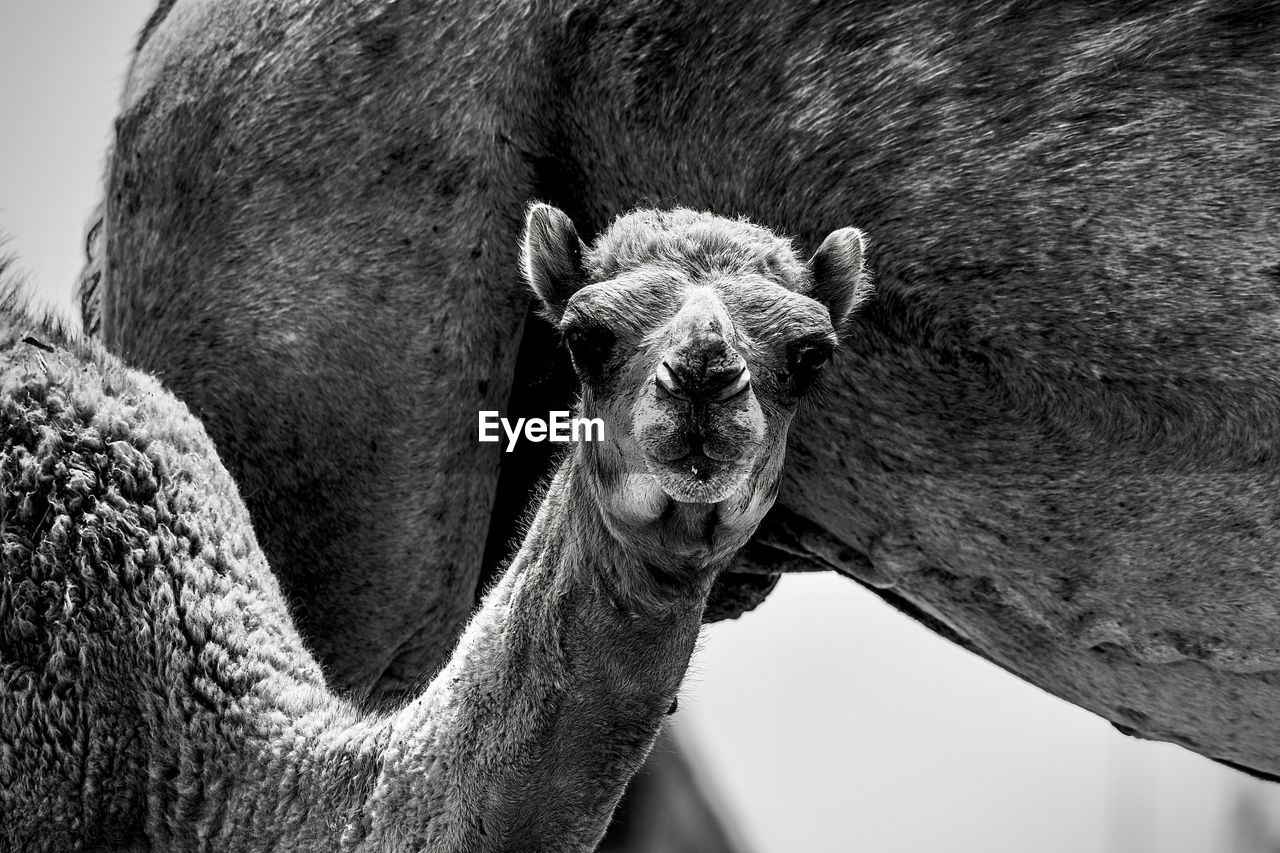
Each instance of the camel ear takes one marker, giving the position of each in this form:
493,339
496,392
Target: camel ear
839,281
551,257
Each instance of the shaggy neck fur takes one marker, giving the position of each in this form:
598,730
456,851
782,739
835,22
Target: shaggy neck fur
525,741
159,697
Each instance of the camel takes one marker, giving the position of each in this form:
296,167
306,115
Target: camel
1054,444
159,694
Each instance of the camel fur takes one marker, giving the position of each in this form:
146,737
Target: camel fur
1054,442
159,696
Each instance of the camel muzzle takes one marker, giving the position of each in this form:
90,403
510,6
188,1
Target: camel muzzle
703,377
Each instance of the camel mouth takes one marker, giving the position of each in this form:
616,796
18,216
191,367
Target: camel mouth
698,453
698,478
698,465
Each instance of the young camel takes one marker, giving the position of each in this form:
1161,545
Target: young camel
157,695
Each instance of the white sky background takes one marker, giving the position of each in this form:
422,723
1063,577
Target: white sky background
827,721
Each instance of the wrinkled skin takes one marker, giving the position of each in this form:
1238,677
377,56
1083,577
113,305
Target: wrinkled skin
1055,443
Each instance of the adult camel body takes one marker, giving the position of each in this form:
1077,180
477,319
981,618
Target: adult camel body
1056,444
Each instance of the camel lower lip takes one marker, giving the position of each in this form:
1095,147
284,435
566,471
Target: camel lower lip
695,478
695,465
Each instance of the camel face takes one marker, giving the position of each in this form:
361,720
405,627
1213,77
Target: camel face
695,338
700,395
698,422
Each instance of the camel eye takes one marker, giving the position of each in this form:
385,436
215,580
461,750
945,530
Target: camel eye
590,346
810,359
805,360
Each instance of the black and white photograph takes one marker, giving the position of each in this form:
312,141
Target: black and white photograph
523,426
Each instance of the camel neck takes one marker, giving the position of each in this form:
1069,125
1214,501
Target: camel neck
525,740
658,557
561,643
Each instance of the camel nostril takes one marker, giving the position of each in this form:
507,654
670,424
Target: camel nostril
734,386
667,381
702,382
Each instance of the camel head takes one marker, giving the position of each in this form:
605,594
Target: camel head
694,338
